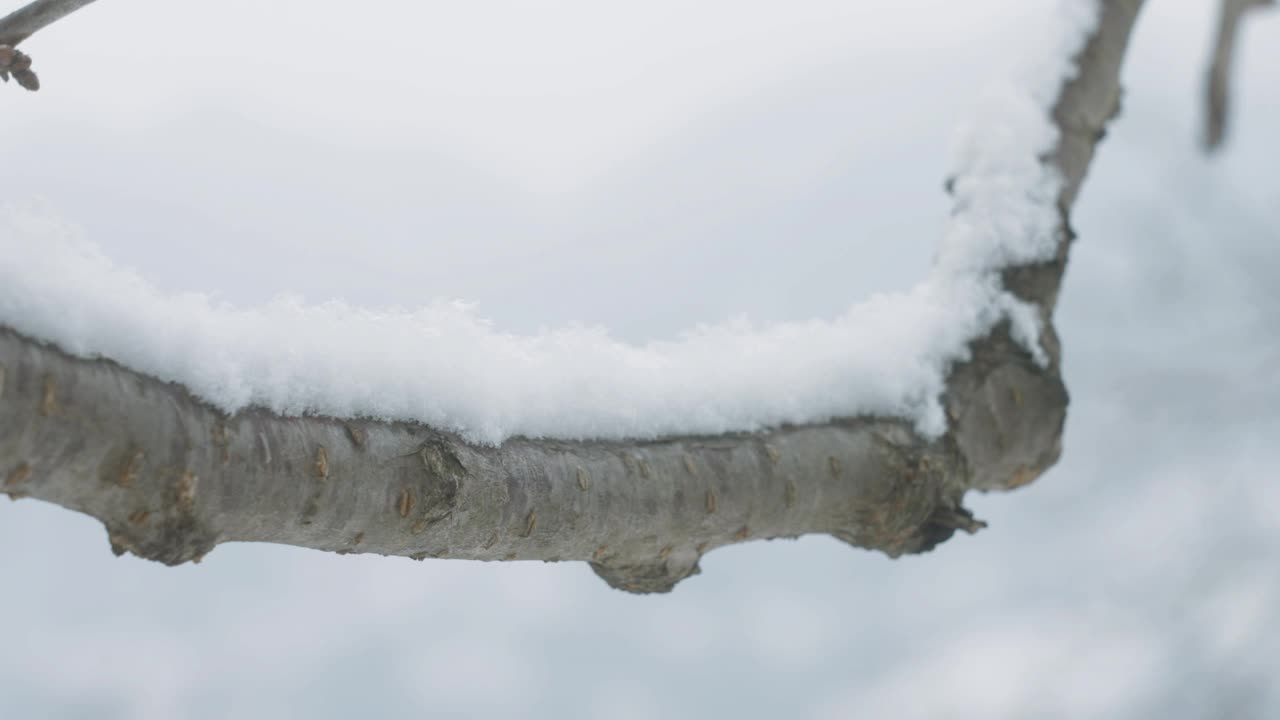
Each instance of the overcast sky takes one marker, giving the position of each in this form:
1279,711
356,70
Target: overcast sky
646,167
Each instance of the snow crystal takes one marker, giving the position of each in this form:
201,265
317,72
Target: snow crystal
443,365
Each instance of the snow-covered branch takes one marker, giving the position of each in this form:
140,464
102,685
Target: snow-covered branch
871,433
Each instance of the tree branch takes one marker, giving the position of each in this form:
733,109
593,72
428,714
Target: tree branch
1218,80
25,21
171,477
22,24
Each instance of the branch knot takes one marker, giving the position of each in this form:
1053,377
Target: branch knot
18,64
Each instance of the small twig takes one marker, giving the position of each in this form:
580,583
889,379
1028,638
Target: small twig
20,25
1218,89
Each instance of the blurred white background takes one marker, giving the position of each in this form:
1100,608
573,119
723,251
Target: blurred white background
646,167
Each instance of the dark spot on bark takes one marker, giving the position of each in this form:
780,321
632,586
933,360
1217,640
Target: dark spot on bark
119,544
49,399
321,466
689,465
357,435
221,442
185,490
944,522
122,466
772,453
655,577
310,510
931,536
172,539
17,476
405,503
440,459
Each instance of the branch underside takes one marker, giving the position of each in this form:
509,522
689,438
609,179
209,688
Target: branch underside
25,21
170,477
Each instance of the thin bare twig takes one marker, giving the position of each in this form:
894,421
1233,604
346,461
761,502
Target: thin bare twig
1218,86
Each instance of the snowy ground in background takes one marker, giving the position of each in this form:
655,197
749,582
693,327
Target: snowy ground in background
1138,579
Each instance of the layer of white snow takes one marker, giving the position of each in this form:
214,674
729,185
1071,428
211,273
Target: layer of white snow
442,364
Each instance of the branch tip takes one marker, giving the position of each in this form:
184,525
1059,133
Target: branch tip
1218,78
14,62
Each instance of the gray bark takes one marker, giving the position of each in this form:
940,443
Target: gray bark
1218,85
25,21
171,477
18,26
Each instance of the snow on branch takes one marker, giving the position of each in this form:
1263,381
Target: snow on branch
181,424
443,366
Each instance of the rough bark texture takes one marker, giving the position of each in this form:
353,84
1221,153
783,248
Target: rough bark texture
171,477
